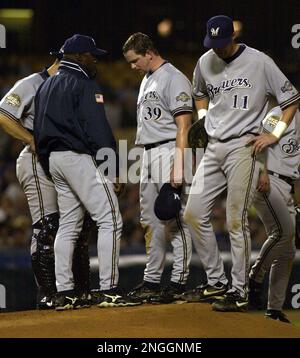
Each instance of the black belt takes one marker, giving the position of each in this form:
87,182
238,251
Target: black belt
288,180
157,144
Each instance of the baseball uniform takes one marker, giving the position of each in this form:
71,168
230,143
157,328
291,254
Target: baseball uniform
276,210
237,88
18,105
163,94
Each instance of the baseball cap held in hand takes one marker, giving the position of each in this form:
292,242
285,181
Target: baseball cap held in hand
219,32
168,204
80,44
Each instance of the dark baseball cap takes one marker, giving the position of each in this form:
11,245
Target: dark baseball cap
168,204
79,44
219,32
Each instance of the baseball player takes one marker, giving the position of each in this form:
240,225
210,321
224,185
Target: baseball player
231,84
16,114
164,112
70,127
275,207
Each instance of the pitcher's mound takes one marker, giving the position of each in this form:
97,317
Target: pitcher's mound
193,320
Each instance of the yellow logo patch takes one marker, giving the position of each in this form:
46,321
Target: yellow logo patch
13,100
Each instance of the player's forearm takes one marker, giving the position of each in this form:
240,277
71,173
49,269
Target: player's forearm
183,124
15,129
202,103
289,112
286,118
202,106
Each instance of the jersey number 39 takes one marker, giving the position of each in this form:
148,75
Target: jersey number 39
152,113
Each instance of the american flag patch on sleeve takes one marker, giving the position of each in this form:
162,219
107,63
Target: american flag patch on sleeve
99,98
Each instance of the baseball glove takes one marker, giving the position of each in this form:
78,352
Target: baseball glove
197,136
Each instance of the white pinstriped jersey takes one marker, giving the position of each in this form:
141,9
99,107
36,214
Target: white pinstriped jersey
163,94
18,103
238,91
284,157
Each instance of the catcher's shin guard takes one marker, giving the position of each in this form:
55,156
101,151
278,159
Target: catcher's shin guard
81,258
43,259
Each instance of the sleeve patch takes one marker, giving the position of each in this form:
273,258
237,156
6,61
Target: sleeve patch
13,100
287,87
183,97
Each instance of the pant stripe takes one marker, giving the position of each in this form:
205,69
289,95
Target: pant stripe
113,213
184,245
244,216
38,187
272,243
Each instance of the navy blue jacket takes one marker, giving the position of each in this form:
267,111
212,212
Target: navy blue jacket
69,115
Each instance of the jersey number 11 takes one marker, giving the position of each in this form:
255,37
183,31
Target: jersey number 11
237,102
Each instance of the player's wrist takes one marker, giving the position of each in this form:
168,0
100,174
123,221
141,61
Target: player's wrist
201,113
279,129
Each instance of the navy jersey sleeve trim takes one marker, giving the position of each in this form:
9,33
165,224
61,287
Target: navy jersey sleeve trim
181,110
290,101
9,115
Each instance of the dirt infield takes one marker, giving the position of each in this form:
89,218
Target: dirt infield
146,321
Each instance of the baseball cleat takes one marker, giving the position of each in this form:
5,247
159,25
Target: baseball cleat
145,291
115,300
277,315
169,294
205,292
46,303
64,301
231,302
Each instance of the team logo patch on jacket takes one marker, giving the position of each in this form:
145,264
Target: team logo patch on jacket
99,98
13,100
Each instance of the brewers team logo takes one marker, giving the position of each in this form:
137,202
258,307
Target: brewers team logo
291,147
183,97
13,100
214,32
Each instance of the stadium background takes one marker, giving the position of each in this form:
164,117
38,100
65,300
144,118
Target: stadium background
178,29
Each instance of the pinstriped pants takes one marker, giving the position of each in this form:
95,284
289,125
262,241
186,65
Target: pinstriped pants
80,185
155,172
224,165
277,212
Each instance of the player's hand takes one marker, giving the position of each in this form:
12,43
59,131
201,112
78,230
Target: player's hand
176,179
118,187
263,184
260,142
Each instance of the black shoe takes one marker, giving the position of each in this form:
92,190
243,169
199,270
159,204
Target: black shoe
231,302
84,300
254,296
277,315
145,291
169,294
205,293
46,303
66,300
110,298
